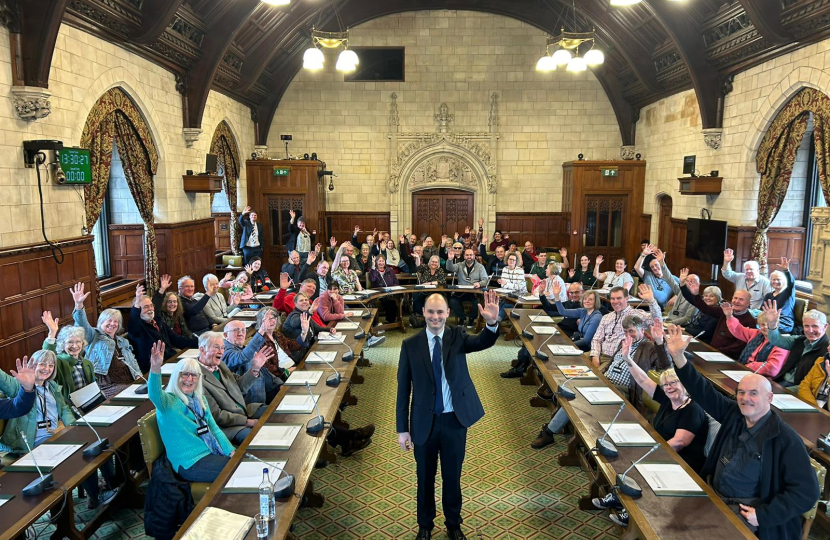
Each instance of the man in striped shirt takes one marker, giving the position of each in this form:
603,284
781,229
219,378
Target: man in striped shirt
610,332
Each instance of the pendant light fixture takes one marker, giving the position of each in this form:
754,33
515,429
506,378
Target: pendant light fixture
347,60
566,50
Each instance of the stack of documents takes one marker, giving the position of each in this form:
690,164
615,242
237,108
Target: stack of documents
599,395
356,312
246,313
714,356
736,374
248,475
321,357
545,330
628,434
577,372
297,403
275,437
464,287
541,319
396,288
218,524
669,479
564,350
503,291
325,338
529,298
130,395
264,297
365,292
790,403
48,457
349,297
87,397
346,325
300,378
105,415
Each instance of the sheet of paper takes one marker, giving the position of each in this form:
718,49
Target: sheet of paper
714,356
346,325
428,286
502,290
544,330
167,369
246,313
299,378
218,524
297,403
396,288
349,297
736,374
189,353
464,287
665,478
248,475
356,312
599,395
628,434
541,319
106,414
325,338
48,456
129,393
564,350
279,436
248,324
788,402
366,292
577,372
529,298
87,394
321,357
264,296
4,499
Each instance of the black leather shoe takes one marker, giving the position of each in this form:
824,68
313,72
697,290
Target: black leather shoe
456,534
424,534
364,432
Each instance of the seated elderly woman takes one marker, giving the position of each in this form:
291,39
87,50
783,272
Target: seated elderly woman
111,354
381,275
218,310
73,371
759,355
553,271
331,305
267,322
588,316
783,293
701,325
172,313
348,278
815,386
197,449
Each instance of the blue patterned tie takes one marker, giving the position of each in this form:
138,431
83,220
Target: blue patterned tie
436,370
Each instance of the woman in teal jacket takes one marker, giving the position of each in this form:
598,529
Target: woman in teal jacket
49,412
196,447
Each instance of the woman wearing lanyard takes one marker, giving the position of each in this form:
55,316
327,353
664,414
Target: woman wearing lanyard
197,449
588,315
614,278
381,275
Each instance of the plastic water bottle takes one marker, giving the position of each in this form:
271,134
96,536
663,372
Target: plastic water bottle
267,506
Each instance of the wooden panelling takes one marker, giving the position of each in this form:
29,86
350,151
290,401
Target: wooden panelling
222,231
33,282
341,225
271,196
544,229
645,228
127,251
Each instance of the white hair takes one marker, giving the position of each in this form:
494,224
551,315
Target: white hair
183,279
209,337
187,365
207,279
108,314
816,315
69,332
43,356
754,265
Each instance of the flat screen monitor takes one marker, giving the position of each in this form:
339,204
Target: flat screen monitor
689,165
211,163
705,240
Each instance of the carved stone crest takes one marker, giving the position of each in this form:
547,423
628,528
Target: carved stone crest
444,118
31,103
446,169
713,137
627,151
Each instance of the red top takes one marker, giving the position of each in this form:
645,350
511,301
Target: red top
331,308
285,303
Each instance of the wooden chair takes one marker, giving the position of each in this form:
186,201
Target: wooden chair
152,448
648,402
799,310
810,516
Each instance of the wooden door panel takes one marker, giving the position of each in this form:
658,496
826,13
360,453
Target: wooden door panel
605,221
458,211
442,211
426,215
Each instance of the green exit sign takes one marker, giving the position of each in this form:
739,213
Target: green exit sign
609,171
76,166
282,171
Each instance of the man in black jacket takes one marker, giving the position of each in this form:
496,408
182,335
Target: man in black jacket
433,372
757,463
146,327
193,303
495,263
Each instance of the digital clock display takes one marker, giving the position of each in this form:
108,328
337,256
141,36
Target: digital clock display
75,164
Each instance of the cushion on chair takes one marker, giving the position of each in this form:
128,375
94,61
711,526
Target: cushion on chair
232,260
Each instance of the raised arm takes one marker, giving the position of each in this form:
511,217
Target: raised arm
597,274
726,269
79,314
638,264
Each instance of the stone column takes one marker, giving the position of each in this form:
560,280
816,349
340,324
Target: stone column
818,276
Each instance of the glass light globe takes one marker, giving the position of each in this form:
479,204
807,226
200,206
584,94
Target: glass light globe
344,65
577,64
594,57
349,56
546,64
313,58
561,57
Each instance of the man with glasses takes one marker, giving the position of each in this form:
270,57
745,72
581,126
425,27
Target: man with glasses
238,358
146,327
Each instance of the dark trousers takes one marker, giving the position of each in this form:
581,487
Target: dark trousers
107,469
447,438
249,252
204,470
390,309
524,358
457,305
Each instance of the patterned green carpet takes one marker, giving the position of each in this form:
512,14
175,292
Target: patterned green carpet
510,490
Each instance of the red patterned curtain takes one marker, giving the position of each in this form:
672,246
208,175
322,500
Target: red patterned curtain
224,146
776,156
116,118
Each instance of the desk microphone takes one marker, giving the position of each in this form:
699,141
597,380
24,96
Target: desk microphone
823,443
366,313
98,446
334,379
563,391
628,486
527,334
283,487
454,274
607,448
542,355
37,485
142,389
316,424
360,333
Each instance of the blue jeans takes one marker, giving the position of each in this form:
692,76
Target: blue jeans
204,470
559,421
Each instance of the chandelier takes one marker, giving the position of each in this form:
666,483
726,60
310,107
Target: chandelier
566,52
313,57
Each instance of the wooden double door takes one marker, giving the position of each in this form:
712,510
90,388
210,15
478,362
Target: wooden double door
442,211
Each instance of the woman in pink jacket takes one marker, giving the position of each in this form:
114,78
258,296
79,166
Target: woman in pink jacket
332,307
759,355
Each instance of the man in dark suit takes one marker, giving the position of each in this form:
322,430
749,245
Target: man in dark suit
252,235
433,371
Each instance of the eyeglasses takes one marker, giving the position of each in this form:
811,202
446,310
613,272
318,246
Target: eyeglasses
217,347
235,331
186,375
670,384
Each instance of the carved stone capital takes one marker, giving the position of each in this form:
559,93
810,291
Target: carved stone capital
713,137
627,151
260,151
191,135
31,102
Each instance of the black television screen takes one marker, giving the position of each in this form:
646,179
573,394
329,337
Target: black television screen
705,240
689,165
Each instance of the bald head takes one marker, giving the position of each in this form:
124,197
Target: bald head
235,332
436,311
740,300
754,397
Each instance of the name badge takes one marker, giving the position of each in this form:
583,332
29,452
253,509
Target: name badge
201,430
44,424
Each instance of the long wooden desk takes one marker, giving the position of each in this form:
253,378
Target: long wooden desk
651,516
304,452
